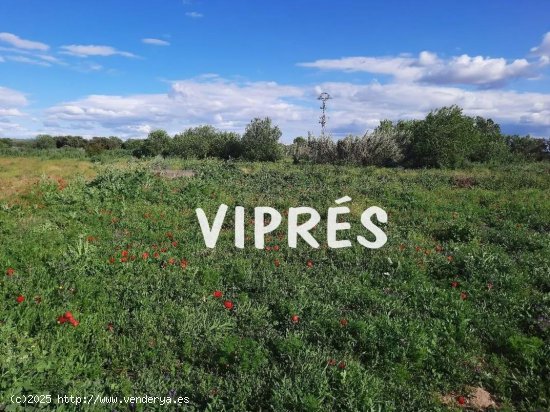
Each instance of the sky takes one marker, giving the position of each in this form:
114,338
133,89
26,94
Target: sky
124,68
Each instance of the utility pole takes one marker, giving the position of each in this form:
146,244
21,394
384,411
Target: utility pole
323,119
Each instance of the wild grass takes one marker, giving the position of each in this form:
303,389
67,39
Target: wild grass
457,298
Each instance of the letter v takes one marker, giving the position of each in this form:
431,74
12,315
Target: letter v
211,235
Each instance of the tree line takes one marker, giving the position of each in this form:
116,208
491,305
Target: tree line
444,138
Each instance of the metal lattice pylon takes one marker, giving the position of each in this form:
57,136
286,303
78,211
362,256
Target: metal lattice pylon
323,119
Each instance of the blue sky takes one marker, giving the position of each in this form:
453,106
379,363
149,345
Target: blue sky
126,67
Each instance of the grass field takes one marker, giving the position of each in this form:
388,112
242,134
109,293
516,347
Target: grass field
19,174
456,300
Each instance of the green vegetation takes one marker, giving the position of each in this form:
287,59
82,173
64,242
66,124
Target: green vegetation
446,138
458,297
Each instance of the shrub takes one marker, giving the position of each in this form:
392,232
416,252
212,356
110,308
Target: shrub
380,148
346,149
322,149
44,141
70,141
157,143
194,142
529,148
260,141
205,141
298,150
446,138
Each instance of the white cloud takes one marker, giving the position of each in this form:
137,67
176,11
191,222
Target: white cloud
93,50
10,103
20,43
10,97
355,108
31,56
194,14
429,68
206,100
155,42
230,105
28,60
543,49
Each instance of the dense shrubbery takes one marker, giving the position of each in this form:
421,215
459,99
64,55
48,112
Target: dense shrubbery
444,138
205,141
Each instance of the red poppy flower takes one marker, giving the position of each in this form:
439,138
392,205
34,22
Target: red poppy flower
124,253
183,263
276,248
402,246
174,243
91,239
133,257
156,254
310,263
450,258
461,400
172,261
110,327
344,322
331,362
20,299
111,259
277,263
342,365
164,250
217,294
228,304
438,248
455,284
268,248
124,259
145,255
417,248
169,235
463,295
295,319
10,271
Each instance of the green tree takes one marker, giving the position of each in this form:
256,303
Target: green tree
44,141
445,138
157,143
260,141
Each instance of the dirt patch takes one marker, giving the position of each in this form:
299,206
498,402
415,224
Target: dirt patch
477,399
175,174
464,182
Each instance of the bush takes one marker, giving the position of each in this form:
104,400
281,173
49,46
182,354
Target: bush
529,148
44,141
260,141
157,143
380,148
322,149
205,141
70,141
298,150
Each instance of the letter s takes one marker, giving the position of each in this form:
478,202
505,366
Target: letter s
380,236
